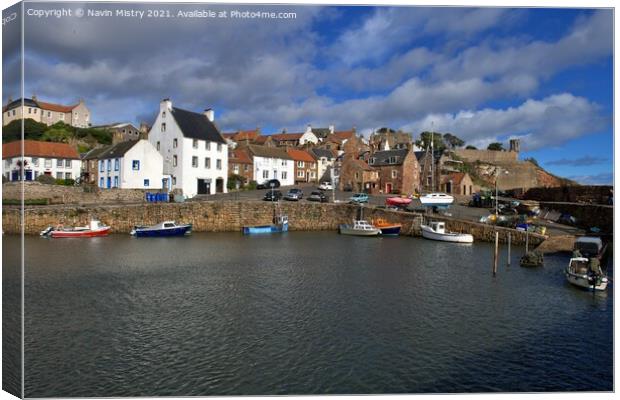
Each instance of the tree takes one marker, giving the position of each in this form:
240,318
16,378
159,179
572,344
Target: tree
453,141
57,134
32,130
496,146
470,147
425,140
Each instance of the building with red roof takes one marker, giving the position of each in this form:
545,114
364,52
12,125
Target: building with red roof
306,169
77,115
28,159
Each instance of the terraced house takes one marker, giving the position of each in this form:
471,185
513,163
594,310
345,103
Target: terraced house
77,115
134,164
58,160
306,169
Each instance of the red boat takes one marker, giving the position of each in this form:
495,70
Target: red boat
397,201
95,228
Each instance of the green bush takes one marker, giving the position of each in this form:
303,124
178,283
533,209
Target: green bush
27,202
65,182
46,179
251,185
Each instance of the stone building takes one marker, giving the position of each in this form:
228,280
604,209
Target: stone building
357,176
77,115
458,183
122,132
240,163
399,171
305,166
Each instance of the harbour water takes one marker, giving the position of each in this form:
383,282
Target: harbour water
302,313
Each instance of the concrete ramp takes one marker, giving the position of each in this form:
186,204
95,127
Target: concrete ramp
557,244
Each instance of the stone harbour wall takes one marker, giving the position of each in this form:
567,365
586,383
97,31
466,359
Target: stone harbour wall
74,195
222,216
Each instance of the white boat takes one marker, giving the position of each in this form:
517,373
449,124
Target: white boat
359,228
436,230
579,274
436,199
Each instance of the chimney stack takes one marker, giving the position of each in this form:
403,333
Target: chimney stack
165,105
331,129
210,114
34,97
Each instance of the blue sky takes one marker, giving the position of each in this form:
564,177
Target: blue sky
483,74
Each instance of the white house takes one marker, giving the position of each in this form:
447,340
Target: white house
58,160
194,151
325,160
272,163
308,137
134,164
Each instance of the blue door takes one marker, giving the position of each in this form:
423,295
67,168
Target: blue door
109,182
15,175
28,175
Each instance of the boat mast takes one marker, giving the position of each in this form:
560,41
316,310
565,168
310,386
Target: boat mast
432,157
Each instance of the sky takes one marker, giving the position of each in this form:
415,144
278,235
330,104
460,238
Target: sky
543,75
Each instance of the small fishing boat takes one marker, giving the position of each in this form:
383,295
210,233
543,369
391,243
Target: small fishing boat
436,230
397,201
387,228
166,228
532,259
436,199
95,228
359,228
280,225
582,272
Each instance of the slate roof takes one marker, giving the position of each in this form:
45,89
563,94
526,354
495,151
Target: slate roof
382,157
322,153
420,154
321,132
269,152
18,102
40,104
362,165
39,149
196,126
118,150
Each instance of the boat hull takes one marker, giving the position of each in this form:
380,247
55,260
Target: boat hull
164,232
255,230
428,233
392,230
348,230
104,231
585,282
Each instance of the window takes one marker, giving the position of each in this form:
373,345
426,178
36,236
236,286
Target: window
67,163
265,174
60,163
146,183
392,160
34,111
163,114
312,175
58,175
67,175
195,143
175,143
174,161
158,146
163,127
357,176
13,112
283,175
47,162
284,163
49,114
236,168
246,167
300,164
207,162
115,181
29,110
372,160
116,164
101,182
174,180
219,147
36,175
300,173
218,164
394,174
208,145
109,165
135,165
35,161
101,166
195,162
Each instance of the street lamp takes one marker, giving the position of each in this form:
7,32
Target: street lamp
497,173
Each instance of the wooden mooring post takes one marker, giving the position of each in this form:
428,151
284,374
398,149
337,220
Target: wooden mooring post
508,263
527,241
496,253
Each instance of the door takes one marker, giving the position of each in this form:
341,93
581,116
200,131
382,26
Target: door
15,175
28,175
109,184
219,185
388,188
204,186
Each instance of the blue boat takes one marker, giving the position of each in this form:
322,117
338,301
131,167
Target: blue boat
280,225
166,228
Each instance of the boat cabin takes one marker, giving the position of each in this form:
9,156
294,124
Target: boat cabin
362,225
438,226
589,246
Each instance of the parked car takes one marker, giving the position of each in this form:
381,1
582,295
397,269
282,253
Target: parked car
268,184
359,198
325,186
273,195
294,194
318,196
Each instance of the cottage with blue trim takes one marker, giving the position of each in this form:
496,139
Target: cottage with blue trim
135,164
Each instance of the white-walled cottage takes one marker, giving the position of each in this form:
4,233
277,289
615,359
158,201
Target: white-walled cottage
134,164
272,163
195,153
59,160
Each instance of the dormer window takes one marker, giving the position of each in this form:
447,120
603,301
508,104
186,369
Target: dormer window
372,160
393,159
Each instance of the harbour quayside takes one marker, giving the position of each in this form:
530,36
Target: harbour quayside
166,228
95,228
